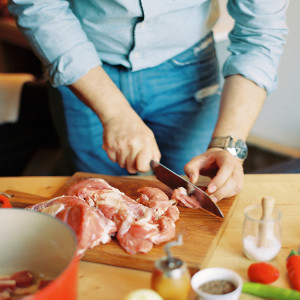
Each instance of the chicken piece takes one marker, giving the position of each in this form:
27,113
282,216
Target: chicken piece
139,223
157,200
183,199
89,224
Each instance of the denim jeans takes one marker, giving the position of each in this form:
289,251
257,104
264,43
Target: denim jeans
178,99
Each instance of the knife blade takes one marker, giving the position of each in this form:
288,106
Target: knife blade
173,180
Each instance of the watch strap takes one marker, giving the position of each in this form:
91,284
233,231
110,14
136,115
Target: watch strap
235,146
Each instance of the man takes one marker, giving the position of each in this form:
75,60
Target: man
145,77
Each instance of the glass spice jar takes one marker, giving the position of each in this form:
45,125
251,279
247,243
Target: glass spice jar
171,277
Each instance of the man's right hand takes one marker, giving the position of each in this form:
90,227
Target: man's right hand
129,142
126,138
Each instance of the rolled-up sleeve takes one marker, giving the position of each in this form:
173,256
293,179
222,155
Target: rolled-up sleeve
257,40
57,38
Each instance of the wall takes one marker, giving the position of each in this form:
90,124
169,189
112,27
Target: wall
278,125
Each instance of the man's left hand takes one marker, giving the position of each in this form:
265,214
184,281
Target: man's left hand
225,170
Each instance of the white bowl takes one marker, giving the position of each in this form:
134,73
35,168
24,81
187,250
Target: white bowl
210,274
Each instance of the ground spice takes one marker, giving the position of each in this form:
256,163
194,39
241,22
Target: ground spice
218,287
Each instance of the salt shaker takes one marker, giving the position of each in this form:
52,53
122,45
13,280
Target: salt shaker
171,277
262,231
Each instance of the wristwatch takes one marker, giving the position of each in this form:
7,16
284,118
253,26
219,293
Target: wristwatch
235,146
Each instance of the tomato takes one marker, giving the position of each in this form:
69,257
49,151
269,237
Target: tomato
263,272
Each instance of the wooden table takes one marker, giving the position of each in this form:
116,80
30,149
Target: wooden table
112,283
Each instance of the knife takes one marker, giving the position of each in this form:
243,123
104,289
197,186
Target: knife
173,180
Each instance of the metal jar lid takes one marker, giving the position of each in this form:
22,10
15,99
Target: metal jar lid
171,268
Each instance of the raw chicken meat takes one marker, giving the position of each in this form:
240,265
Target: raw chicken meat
158,201
183,199
141,223
88,189
89,224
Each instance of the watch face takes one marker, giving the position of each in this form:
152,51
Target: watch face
241,149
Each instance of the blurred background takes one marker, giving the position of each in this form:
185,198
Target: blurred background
32,146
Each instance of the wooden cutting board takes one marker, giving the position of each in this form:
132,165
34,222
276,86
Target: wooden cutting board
200,229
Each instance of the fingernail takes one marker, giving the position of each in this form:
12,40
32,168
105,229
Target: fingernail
214,199
212,189
192,178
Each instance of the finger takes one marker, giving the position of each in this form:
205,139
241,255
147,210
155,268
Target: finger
225,191
126,153
143,160
122,157
230,188
221,177
131,167
156,155
130,164
204,164
111,154
145,156
121,151
192,168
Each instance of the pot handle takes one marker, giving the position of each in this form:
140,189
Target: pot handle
4,201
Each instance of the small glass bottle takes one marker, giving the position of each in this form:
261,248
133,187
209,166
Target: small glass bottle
262,231
171,277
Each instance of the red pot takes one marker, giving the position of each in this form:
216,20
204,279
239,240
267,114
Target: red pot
39,243
4,201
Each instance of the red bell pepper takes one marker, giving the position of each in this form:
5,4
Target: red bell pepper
4,202
293,269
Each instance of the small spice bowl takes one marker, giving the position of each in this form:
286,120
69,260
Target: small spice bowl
217,284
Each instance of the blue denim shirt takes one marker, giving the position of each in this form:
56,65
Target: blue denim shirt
73,36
